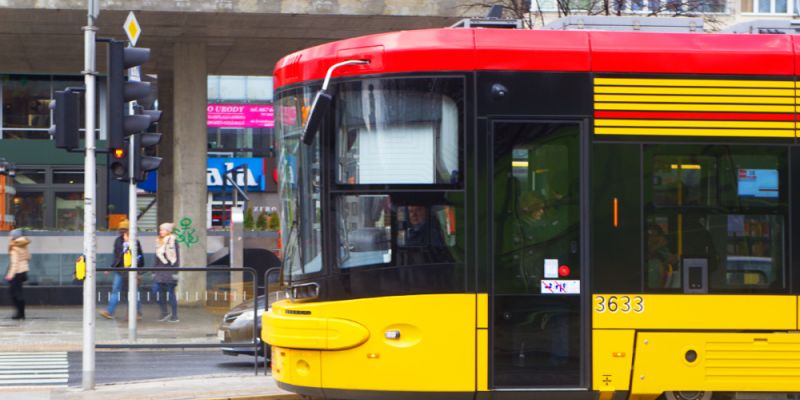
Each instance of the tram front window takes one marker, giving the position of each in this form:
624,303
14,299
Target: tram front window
374,231
299,187
399,131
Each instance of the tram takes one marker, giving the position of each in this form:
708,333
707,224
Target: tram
535,214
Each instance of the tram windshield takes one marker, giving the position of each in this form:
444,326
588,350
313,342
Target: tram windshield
403,134
299,186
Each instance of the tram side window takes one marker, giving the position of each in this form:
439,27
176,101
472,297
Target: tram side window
721,207
616,229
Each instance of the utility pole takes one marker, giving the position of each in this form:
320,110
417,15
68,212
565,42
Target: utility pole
90,189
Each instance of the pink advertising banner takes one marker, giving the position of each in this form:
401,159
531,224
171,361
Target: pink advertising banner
241,116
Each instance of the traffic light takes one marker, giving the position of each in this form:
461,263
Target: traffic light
120,163
142,163
66,112
120,92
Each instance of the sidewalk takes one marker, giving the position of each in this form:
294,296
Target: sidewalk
51,329
60,328
198,387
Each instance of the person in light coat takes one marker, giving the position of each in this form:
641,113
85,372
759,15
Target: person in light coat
19,257
164,282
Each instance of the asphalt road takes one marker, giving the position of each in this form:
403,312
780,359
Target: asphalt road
135,365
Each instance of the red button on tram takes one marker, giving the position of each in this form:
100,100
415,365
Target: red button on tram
563,270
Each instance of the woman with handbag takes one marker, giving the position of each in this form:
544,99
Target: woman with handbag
164,282
19,256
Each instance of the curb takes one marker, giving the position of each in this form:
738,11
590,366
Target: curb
262,397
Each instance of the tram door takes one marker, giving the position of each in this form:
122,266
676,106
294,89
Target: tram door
536,286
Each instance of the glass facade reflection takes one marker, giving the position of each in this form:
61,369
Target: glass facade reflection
242,138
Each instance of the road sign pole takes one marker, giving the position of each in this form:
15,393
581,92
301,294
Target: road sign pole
132,30
89,216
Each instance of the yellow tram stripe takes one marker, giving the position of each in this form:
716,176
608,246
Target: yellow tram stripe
694,83
694,91
693,99
644,131
695,107
696,123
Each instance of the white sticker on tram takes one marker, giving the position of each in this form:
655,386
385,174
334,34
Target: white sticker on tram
550,268
558,286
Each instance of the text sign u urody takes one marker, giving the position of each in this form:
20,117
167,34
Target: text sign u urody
241,116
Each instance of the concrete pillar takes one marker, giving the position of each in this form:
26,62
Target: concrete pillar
189,162
166,147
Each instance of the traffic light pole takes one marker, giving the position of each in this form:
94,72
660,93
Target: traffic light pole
133,284
89,215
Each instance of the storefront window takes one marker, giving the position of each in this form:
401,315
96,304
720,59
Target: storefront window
30,176
69,210
29,209
70,177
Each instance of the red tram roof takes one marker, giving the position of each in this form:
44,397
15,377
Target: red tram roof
542,50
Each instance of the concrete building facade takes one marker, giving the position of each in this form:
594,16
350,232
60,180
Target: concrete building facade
41,48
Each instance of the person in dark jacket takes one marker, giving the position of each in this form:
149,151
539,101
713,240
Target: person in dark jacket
120,278
17,274
164,282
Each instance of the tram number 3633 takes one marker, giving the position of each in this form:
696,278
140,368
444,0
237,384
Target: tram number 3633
615,304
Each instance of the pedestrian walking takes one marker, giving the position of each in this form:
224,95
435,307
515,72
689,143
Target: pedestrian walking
19,257
164,282
122,260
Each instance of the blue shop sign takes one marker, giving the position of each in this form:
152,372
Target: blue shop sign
255,178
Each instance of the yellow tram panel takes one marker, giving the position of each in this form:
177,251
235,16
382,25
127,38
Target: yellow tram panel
612,359
695,312
752,362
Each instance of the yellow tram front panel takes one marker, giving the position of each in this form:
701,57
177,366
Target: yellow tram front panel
423,343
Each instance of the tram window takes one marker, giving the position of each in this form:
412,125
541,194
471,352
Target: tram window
616,229
364,227
399,131
299,170
396,230
724,204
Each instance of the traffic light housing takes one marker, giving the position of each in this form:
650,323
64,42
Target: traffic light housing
119,164
122,91
143,163
66,108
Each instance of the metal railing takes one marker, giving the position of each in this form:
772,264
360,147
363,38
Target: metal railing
255,342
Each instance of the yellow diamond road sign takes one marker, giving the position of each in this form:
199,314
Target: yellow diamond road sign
132,29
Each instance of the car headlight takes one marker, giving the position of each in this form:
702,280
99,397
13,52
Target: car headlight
248,315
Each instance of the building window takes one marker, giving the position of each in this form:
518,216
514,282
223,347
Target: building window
49,198
25,113
767,6
663,7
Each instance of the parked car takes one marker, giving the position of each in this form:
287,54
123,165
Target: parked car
237,324
237,327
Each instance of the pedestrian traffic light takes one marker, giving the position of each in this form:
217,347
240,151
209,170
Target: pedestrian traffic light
120,92
143,163
119,163
66,112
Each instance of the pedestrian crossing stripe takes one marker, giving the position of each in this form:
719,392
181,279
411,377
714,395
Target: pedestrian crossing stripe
34,369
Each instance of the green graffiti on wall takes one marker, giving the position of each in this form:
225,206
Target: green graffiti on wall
185,233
